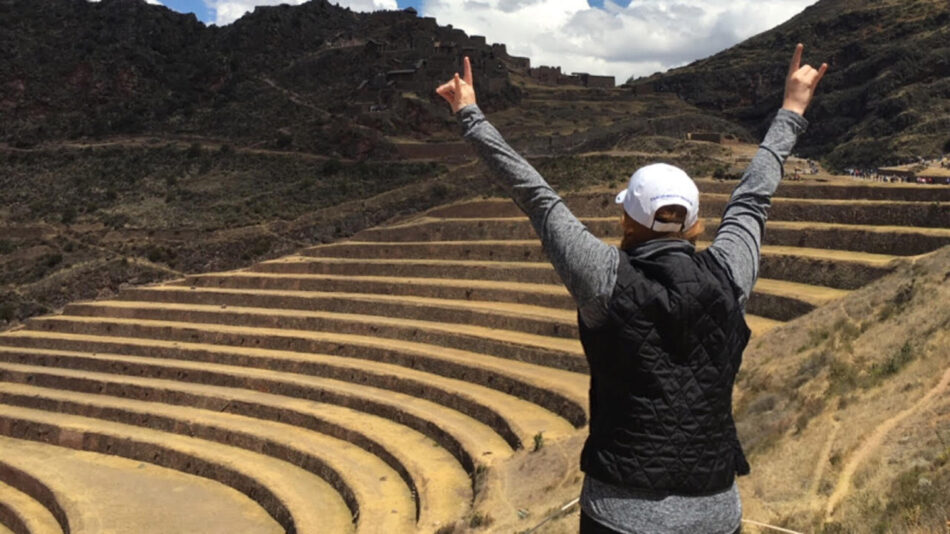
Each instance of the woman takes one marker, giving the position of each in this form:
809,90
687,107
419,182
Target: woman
662,325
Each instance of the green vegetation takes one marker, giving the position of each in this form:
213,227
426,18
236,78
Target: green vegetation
172,187
892,364
538,442
480,520
917,501
845,376
770,408
182,207
571,173
898,302
811,407
479,478
815,338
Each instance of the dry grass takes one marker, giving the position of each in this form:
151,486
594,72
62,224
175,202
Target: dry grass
854,364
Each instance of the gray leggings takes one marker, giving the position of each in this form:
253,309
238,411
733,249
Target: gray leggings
589,526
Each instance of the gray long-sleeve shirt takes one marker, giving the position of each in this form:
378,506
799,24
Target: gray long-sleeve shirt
588,268
587,265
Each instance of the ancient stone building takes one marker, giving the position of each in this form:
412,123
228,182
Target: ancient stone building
590,80
546,75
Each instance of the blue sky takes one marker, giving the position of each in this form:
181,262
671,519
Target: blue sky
191,6
621,38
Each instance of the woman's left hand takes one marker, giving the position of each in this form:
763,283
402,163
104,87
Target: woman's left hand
801,83
459,92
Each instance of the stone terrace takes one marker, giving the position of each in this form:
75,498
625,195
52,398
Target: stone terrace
362,386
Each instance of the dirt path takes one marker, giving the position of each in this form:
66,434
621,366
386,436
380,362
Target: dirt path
823,459
294,97
873,441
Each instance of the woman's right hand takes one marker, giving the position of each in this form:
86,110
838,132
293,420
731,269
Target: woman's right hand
459,92
801,83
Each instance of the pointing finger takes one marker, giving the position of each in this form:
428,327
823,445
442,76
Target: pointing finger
468,70
821,72
796,58
445,91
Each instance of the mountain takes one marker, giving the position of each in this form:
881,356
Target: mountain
138,144
885,98
314,77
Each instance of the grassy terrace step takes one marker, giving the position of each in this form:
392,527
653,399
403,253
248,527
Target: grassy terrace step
447,272
499,315
760,325
928,214
865,212
892,240
838,269
546,295
831,268
340,380
897,240
373,491
485,293
298,500
468,440
783,301
16,479
443,487
497,342
93,493
23,514
556,385
904,192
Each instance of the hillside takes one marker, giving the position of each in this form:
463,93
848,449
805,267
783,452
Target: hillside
138,144
229,297
288,78
425,376
885,99
142,145
847,411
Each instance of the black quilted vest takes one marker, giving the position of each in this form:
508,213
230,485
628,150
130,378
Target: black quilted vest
662,370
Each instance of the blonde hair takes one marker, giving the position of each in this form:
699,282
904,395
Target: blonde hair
635,233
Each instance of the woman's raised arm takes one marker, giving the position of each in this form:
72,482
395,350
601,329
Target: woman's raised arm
738,241
586,265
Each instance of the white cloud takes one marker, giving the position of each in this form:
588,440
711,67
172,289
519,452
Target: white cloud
227,11
645,37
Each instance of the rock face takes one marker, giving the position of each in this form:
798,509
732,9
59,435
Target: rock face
886,96
314,77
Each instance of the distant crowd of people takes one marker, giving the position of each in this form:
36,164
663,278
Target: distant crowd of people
879,175
799,171
873,175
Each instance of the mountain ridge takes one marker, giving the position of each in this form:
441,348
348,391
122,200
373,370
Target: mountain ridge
885,98
313,77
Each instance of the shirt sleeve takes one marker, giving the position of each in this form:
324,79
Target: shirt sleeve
738,241
586,265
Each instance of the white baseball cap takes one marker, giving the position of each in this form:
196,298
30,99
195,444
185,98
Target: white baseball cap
655,186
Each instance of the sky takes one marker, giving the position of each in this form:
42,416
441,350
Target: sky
619,38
